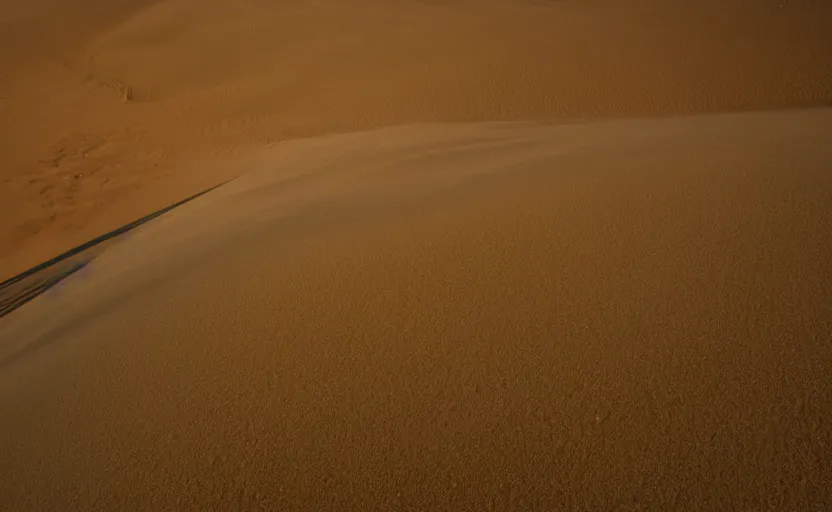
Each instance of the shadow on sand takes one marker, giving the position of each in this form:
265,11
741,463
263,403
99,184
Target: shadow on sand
22,288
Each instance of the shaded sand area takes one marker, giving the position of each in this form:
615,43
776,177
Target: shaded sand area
112,109
620,315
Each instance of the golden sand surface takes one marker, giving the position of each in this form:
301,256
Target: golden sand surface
465,255
612,315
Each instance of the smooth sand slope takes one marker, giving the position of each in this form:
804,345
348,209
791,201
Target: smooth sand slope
616,315
110,109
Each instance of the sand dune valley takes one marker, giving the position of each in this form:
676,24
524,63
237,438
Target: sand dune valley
415,255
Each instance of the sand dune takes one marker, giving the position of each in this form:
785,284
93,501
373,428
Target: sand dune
514,316
476,255
209,77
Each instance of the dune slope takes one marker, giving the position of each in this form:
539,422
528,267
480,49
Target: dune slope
512,316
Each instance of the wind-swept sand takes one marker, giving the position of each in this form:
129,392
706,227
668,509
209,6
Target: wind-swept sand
211,77
616,297
615,315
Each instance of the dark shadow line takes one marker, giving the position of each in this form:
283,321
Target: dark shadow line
9,304
106,236
15,301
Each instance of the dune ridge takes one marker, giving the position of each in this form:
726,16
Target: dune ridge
112,110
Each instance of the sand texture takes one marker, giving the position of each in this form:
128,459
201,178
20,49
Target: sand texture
614,315
463,255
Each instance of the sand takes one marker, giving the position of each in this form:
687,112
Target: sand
477,255
209,78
